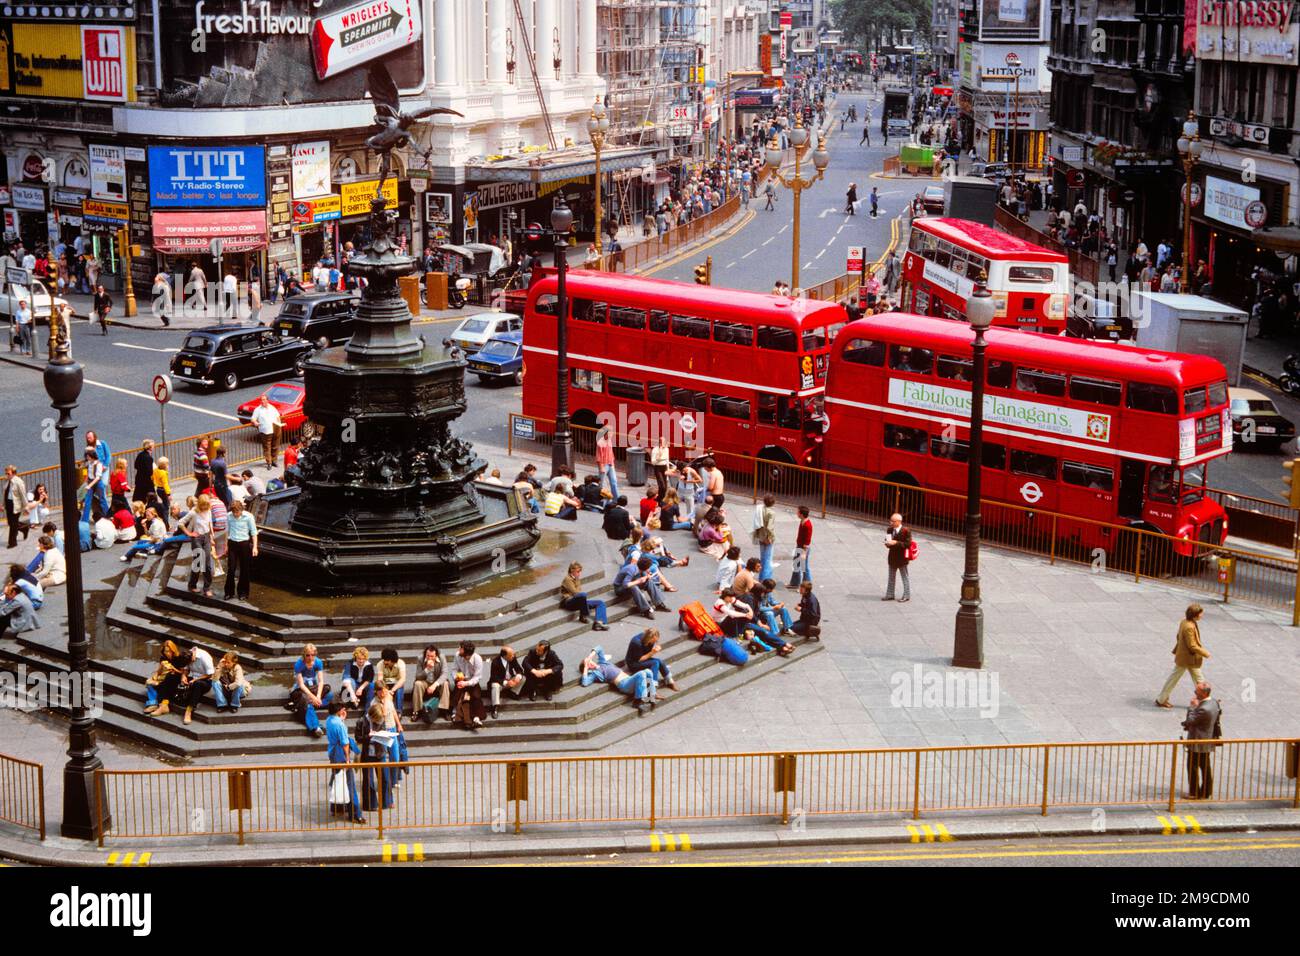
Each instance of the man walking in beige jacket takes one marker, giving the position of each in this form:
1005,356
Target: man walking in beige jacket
1189,654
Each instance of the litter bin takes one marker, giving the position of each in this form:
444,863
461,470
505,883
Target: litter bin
636,466
435,290
410,288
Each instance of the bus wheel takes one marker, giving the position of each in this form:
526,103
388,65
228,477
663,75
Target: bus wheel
901,493
775,476
584,435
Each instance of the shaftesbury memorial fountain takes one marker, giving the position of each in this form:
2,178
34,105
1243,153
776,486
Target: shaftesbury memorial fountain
387,500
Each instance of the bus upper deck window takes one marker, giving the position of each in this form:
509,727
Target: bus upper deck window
905,358
626,318
1039,274
864,352
1218,394
1144,397
814,339
690,327
733,333
777,339
658,320
584,310
1194,400
1095,390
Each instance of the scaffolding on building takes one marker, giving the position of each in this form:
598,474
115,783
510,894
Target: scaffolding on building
648,51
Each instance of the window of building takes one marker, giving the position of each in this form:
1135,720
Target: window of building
1095,390
1040,382
587,380
1152,398
626,388
865,352
690,327
907,439
905,358
1033,464
733,333
1092,477
730,407
626,318
777,339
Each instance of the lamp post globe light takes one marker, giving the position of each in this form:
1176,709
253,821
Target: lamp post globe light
968,638
562,444
1189,147
798,137
63,380
597,127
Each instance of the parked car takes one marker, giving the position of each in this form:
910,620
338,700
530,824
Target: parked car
475,331
322,318
501,359
995,171
932,200
226,356
285,397
13,294
1269,429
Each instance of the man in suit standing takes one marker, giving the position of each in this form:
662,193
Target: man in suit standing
897,540
15,494
1189,653
1202,717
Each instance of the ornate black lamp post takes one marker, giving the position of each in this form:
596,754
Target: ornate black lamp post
63,378
562,446
968,640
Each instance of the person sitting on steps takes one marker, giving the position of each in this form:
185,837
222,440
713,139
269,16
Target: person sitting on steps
543,671
506,675
574,598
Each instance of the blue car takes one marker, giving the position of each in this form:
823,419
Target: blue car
501,359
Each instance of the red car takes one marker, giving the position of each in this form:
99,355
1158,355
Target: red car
285,396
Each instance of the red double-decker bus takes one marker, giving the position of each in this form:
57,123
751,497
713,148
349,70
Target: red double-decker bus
945,257
740,372
1105,432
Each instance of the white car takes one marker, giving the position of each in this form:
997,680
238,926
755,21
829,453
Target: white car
474,331
13,294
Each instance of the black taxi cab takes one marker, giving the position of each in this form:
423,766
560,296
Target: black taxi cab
322,318
225,356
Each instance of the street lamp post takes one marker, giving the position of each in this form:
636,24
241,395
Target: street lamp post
1189,147
562,444
796,183
968,638
63,380
597,127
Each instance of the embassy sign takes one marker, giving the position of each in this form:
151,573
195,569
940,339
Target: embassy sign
363,32
187,177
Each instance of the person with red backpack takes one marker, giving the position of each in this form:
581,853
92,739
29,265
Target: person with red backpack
901,550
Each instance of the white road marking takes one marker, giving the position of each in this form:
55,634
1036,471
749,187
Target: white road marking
820,254
768,239
173,402
807,265
841,229
749,253
143,348
784,228
730,264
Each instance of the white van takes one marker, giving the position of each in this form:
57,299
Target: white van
475,330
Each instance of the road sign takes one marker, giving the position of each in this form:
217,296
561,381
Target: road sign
1031,492
855,260
1130,195
18,276
524,428
162,389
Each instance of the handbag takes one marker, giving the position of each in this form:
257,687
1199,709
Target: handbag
339,793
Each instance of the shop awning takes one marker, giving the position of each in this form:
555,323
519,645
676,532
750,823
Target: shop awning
564,164
178,233
1284,240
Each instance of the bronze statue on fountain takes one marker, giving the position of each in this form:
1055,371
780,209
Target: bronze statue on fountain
387,500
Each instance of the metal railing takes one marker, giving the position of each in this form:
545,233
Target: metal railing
1225,572
1259,519
835,290
1083,267
242,443
22,794
501,794
642,254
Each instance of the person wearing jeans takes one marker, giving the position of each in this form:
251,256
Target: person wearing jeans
597,667
229,687
765,533
642,653
605,460
802,571
639,582
310,690
573,598
241,538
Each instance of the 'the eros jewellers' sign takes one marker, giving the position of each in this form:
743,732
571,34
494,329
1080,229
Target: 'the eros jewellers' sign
361,33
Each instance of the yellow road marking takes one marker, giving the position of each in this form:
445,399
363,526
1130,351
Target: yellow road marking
916,834
654,843
1199,846
944,835
1193,823
113,858
744,221
144,859
401,852
388,853
669,842
128,859
419,852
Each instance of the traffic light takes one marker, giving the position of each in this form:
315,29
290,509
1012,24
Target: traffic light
702,274
1292,480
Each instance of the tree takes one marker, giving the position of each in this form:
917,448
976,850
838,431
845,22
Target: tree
873,24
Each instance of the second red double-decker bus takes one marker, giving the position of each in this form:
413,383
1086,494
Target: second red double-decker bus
945,257
1104,432
734,371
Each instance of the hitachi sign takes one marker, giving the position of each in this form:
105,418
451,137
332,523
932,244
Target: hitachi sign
1262,14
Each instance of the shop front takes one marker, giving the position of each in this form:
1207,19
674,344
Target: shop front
1232,221
102,223
182,238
